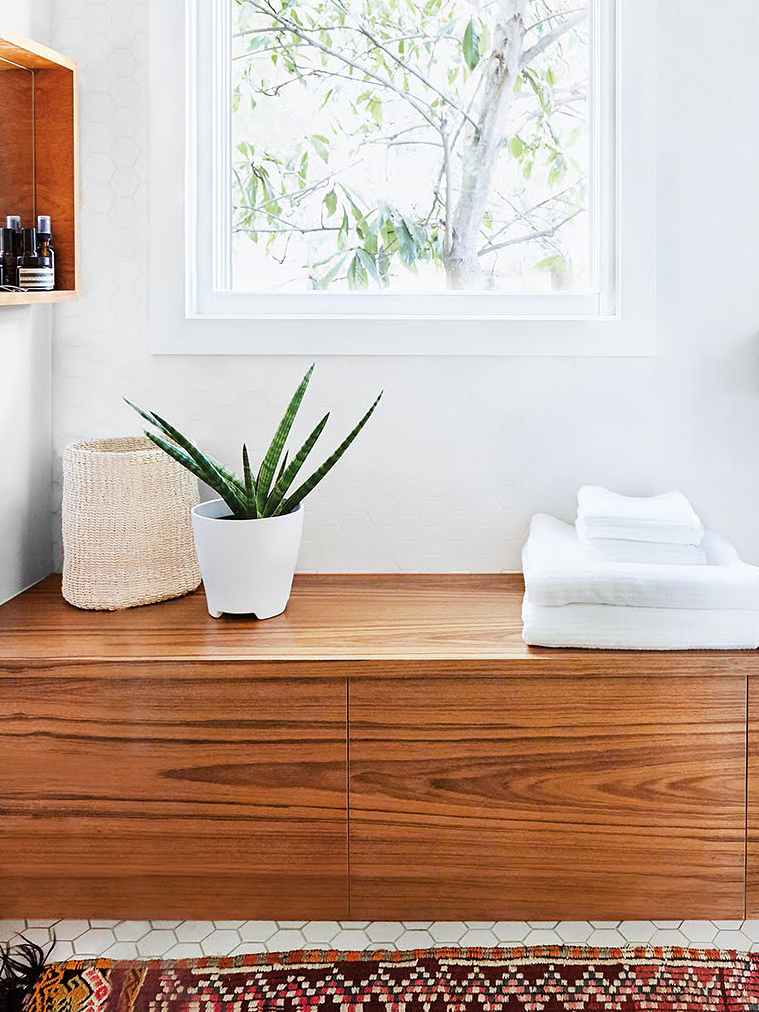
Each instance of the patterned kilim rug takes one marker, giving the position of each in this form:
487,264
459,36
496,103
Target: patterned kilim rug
540,979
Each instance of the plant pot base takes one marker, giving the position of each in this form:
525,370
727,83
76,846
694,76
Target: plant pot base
261,614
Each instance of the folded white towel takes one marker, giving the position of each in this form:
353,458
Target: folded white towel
605,627
557,572
662,518
643,552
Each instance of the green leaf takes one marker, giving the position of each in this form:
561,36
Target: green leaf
471,45
342,235
250,491
187,462
357,276
369,263
204,461
330,202
287,476
222,477
321,144
289,504
516,147
270,461
548,262
375,108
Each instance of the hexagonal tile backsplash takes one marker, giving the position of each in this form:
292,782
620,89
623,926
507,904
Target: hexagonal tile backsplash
189,939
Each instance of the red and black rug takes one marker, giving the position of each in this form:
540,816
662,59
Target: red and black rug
540,979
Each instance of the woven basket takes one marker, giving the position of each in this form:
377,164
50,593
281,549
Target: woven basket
127,532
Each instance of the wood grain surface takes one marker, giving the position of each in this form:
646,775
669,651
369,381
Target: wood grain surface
57,165
547,798
17,147
752,802
437,626
135,794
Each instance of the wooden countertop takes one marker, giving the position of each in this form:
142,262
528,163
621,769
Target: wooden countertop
360,624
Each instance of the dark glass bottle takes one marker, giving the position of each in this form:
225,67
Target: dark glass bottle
45,239
35,269
13,222
8,258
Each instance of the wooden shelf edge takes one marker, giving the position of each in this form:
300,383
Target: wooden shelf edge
30,54
35,298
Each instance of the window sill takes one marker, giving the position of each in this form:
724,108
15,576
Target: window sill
173,332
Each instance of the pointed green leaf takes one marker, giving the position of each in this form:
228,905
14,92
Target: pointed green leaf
203,460
187,462
369,263
172,433
250,490
471,45
270,461
282,466
287,477
357,276
289,504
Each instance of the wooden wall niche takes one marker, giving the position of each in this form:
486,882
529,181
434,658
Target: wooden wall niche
39,156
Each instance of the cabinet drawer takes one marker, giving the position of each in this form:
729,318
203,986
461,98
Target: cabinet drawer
125,794
547,798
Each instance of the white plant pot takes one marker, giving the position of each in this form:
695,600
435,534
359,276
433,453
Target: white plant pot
247,565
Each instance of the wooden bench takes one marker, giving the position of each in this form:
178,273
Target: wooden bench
386,749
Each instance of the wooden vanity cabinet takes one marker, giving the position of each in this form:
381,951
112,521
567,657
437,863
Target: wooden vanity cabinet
387,749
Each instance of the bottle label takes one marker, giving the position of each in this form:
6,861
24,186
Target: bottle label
36,279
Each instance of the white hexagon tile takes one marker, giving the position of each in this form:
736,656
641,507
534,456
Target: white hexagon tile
190,939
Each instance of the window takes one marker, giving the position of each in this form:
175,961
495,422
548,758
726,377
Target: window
400,159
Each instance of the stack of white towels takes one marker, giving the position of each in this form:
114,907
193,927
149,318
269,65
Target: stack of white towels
636,574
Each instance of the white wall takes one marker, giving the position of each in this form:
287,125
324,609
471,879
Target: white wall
25,398
462,450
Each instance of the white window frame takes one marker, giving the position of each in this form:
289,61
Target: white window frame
192,310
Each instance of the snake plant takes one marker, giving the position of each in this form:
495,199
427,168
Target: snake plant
267,494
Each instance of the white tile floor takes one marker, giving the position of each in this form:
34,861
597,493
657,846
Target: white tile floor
187,939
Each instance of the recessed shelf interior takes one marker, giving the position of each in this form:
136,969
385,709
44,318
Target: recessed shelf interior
39,154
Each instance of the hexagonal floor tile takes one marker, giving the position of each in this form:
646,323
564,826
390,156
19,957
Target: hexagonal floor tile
574,932
415,940
285,939
606,936
542,936
9,928
193,931
732,940
668,936
698,932
130,931
256,931
155,943
510,932
637,931
351,939
184,950
320,932
475,937
220,942
446,932
94,942
67,931
122,950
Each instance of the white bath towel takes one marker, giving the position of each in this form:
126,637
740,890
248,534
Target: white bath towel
557,572
643,552
662,518
606,627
